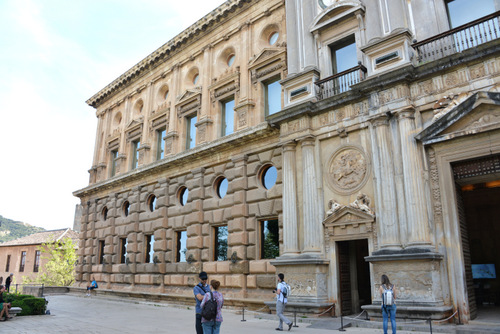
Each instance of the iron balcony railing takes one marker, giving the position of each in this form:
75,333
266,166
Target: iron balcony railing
340,82
458,39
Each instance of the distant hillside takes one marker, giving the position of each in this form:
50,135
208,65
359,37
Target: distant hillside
10,229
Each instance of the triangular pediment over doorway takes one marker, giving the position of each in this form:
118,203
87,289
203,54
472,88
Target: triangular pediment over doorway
475,114
347,221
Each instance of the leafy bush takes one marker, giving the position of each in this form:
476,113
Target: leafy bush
30,305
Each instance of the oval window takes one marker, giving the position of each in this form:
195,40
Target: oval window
165,95
126,208
152,203
269,176
196,78
104,213
183,195
221,187
274,38
230,60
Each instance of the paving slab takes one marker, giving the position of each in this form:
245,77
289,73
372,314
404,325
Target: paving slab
70,314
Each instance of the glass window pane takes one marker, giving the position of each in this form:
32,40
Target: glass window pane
228,118
191,136
184,196
222,188
274,38
161,144
270,176
270,239
273,97
345,57
230,60
151,248
464,11
181,246
221,243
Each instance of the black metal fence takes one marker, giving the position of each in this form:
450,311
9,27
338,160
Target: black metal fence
459,39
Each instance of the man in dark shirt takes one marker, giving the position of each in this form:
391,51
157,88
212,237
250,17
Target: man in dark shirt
199,291
3,305
8,281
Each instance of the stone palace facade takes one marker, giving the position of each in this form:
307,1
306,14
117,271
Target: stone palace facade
333,141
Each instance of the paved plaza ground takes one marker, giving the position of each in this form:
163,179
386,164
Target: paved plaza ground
70,314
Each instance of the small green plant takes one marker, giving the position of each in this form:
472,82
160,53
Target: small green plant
30,305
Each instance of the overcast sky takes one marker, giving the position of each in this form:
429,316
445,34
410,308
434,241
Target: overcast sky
54,55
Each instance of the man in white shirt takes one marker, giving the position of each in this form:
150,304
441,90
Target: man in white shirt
281,301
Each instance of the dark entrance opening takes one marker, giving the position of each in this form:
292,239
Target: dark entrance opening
478,195
354,275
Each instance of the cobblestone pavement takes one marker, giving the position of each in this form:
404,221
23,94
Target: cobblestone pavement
74,314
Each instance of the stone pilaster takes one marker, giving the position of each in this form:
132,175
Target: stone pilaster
311,218
290,229
388,229
416,208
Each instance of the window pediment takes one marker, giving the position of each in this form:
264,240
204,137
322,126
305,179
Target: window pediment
227,85
189,102
475,114
267,62
336,12
134,128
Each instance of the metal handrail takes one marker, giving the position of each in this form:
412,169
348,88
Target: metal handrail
461,38
340,82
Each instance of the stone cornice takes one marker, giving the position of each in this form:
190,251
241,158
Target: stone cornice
194,32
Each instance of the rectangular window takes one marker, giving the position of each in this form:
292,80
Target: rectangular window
464,11
114,155
149,248
37,261
269,239
227,117
220,247
101,252
181,246
7,264
272,97
135,154
160,144
23,262
344,55
191,132
123,250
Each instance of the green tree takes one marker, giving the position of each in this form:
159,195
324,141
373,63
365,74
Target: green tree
60,267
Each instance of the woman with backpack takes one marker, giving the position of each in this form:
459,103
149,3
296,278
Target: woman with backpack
388,294
212,324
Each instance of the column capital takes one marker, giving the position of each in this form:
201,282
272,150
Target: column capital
405,113
290,145
380,120
308,140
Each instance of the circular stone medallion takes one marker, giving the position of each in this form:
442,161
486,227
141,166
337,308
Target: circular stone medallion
348,170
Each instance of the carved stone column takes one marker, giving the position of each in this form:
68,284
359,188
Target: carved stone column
312,222
388,229
290,235
416,208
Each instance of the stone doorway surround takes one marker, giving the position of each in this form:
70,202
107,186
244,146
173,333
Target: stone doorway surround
345,223
469,130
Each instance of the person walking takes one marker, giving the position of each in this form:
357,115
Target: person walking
199,292
213,326
281,300
8,282
388,294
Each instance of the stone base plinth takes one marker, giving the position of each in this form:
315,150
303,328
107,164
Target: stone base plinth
411,312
